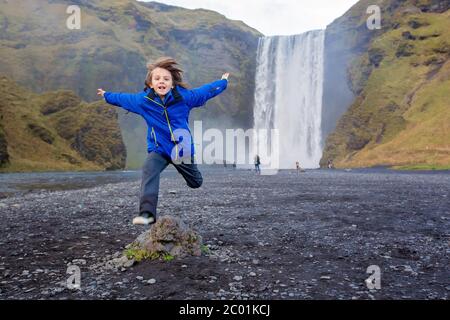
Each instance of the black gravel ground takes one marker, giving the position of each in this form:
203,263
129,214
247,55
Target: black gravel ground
287,236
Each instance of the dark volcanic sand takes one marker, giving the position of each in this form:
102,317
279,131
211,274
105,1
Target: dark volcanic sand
311,236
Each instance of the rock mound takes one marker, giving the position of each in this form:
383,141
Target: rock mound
168,238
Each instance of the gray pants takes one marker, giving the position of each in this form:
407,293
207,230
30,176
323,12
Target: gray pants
153,166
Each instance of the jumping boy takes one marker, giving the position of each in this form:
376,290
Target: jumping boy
165,105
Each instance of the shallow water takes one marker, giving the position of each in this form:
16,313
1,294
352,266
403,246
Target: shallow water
21,183
14,183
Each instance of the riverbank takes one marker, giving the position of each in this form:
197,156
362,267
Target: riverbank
18,184
288,236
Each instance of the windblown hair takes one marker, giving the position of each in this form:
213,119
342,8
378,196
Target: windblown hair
170,65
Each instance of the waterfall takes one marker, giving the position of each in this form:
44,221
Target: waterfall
288,97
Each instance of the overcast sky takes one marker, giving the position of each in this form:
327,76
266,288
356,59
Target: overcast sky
275,17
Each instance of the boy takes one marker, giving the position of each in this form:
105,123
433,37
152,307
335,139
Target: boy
165,105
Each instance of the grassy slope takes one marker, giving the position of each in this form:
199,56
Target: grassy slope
401,117
38,142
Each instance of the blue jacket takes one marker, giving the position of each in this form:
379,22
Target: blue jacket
168,120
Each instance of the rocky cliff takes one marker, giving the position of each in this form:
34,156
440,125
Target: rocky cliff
56,131
398,82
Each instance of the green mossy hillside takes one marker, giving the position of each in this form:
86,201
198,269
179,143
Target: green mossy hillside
56,131
401,114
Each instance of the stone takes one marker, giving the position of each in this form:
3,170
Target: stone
79,261
120,262
129,263
410,270
169,236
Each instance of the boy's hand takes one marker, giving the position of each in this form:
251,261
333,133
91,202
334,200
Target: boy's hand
101,92
225,76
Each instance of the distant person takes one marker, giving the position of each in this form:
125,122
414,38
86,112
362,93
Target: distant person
257,164
234,165
165,104
299,168
224,163
330,164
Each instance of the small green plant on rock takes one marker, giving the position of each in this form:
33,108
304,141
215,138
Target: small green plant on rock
137,254
205,249
168,257
140,254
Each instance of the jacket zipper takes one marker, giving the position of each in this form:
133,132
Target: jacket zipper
168,124
154,136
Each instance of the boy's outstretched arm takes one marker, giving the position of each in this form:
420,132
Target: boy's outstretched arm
198,97
128,101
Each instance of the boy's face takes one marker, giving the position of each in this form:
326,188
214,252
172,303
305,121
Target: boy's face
162,81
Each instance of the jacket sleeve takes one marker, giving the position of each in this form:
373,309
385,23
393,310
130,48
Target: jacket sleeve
199,96
127,101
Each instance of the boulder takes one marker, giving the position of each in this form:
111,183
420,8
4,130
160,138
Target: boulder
168,238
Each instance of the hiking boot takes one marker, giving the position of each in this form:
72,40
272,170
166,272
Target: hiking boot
144,218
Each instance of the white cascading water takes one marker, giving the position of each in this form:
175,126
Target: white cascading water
288,97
